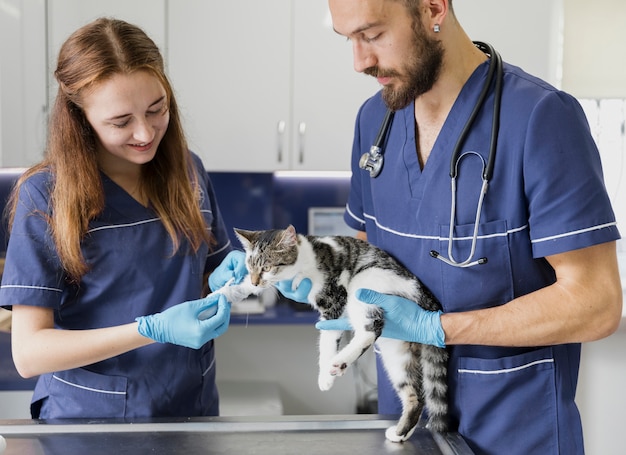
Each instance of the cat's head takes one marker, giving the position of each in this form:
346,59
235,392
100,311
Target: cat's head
270,255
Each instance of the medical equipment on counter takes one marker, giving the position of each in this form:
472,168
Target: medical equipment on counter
373,160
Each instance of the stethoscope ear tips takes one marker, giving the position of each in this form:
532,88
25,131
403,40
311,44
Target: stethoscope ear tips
454,263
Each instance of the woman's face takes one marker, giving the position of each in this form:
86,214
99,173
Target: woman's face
129,114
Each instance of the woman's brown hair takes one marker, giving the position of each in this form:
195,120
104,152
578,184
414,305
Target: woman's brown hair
93,54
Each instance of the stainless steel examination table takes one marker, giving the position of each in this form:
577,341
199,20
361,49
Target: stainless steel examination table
284,435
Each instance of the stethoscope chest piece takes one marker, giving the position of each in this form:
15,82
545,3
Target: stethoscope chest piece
372,161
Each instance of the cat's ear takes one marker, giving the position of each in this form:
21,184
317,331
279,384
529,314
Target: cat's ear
245,237
289,237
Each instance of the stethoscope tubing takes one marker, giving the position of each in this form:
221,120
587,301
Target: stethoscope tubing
373,161
494,73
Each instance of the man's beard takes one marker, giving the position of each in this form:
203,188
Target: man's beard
419,73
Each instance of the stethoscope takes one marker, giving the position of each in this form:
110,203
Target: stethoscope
373,160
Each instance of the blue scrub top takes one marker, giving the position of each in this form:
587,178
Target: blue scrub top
546,196
133,273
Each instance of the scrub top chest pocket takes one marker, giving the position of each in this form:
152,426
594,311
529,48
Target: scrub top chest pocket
482,285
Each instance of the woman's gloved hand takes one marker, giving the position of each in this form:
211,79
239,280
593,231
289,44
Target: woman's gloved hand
180,324
233,266
299,294
404,319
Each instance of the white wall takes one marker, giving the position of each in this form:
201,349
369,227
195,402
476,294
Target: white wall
594,63
526,33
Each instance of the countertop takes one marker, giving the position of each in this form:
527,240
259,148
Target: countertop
284,435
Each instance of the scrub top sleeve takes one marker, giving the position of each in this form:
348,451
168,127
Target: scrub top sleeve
32,271
568,204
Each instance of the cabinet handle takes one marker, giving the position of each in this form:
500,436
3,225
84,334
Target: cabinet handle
301,133
280,133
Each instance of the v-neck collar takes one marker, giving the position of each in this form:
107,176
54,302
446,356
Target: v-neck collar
119,200
438,163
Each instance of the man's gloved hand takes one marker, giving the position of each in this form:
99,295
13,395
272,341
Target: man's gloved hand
404,319
180,324
233,266
299,294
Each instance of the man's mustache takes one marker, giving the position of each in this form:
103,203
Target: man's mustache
374,71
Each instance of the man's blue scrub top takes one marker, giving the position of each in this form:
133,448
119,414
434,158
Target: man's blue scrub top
546,196
133,273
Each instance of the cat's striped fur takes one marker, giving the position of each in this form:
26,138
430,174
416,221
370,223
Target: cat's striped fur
338,266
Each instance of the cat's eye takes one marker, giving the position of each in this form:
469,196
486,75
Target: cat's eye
267,268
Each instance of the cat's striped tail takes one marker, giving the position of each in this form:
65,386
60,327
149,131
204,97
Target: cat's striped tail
435,386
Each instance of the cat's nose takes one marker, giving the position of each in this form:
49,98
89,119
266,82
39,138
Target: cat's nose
255,278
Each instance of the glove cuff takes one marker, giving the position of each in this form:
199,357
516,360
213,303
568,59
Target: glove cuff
145,328
439,336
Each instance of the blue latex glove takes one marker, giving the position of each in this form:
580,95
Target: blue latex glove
233,266
404,319
180,324
300,294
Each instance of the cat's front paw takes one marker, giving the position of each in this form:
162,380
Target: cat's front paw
325,381
295,282
338,368
339,364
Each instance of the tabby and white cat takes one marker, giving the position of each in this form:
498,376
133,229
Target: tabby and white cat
337,266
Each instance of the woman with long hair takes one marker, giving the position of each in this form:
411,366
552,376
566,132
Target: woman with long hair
112,238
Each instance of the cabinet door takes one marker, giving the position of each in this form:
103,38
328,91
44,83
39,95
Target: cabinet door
230,66
22,82
66,16
327,91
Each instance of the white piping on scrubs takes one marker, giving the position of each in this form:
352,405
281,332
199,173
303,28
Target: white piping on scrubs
111,392
507,370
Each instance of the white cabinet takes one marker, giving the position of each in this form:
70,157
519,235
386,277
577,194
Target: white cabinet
31,33
66,16
264,85
23,107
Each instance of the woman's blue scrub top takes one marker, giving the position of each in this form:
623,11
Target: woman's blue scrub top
546,196
133,273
